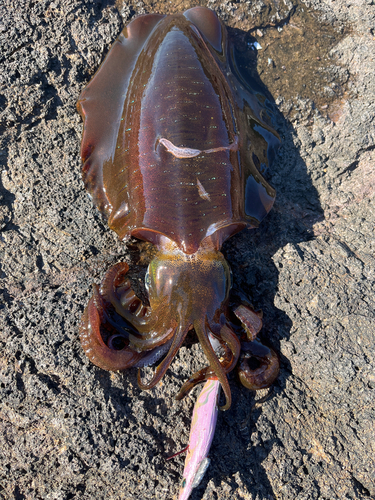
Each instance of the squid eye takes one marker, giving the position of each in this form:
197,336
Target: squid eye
147,280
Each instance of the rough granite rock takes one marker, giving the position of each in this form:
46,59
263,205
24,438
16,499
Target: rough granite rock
70,430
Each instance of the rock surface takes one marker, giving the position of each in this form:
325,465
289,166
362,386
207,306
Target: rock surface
70,430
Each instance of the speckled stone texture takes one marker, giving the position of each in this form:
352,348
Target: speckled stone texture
69,430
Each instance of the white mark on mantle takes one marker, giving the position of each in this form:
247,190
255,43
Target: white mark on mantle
192,153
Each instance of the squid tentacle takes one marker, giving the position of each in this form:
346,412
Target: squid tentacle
265,374
198,377
110,319
151,357
129,313
108,338
178,338
156,334
93,344
251,320
119,293
201,331
229,341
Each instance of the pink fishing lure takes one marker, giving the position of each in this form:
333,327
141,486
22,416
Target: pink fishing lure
202,432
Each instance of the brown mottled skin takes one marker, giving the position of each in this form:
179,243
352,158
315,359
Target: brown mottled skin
172,149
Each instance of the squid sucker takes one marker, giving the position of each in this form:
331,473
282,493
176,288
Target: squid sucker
174,147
